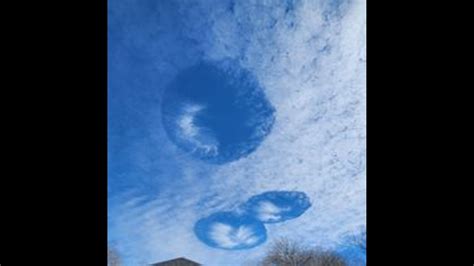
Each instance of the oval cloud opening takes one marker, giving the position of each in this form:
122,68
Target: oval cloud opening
227,230
217,114
277,206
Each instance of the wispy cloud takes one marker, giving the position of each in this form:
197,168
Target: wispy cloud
268,211
228,237
200,138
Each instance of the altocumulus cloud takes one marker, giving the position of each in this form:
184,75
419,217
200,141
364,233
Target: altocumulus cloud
308,57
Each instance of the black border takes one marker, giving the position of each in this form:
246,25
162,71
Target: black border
54,197
54,185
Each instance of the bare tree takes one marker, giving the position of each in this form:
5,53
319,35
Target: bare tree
288,253
354,247
113,259
359,240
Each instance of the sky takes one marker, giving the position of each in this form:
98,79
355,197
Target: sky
232,124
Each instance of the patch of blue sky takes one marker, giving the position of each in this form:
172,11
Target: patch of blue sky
216,112
230,230
277,206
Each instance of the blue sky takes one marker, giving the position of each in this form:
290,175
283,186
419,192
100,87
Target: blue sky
232,124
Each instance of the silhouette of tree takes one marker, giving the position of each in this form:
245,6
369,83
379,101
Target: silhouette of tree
288,253
113,258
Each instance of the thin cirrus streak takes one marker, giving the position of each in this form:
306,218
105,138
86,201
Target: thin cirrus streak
268,211
230,231
228,237
198,137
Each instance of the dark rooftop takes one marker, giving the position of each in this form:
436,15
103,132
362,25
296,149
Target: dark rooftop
177,262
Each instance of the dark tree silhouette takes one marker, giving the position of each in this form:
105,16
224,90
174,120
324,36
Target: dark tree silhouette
113,259
288,253
361,241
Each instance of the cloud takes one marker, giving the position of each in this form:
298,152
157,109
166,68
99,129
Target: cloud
268,211
228,237
186,122
277,206
200,138
233,231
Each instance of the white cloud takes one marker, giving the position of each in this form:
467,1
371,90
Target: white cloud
200,138
229,237
268,211
187,121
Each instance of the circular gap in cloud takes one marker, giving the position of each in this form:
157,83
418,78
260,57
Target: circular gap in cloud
217,112
277,206
231,231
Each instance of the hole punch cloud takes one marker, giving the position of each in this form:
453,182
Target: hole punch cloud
243,228
227,230
277,206
216,112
